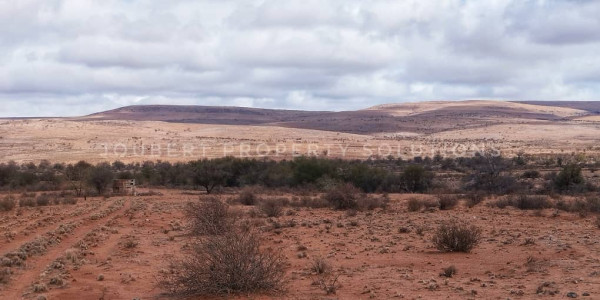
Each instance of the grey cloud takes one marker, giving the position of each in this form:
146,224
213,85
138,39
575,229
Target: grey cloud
81,56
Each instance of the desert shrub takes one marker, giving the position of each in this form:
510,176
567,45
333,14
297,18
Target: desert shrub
593,204
272,207
475,198
569,178
416,179
69,200
5,275
530,202
7,203
209,217
531,174
455,236
43,200
369,202
226,264
311,202
448,201
449,271
320,266
343,196
501,203
247,197
130,243
414,204
24,202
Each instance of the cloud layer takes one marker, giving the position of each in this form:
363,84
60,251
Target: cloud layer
76,57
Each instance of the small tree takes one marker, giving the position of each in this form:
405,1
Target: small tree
569,178
416,179
208,174
100,177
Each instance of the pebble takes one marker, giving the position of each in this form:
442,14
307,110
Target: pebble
572,295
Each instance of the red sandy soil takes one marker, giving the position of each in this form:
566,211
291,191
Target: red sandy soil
371,256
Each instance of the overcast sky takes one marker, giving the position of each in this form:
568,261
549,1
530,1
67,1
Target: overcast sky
64,58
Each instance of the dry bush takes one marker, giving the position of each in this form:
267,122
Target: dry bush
272,207
455,236
209,217
449,271
69,200
231,263
7,203
320,266
414,204
369,202
525,202
312,202
475,198
5,275
343,196
448,202
247,197
43,200
24,202
530,202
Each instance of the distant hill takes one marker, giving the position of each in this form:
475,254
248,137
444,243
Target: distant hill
417,117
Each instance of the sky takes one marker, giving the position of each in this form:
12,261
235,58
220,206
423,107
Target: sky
75,57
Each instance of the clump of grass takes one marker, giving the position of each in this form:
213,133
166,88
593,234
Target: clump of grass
449,271
130,243
414,204
319,266
455,236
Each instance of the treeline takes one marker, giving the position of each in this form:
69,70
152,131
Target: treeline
492,174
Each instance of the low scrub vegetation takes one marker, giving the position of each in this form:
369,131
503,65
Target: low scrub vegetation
209,217
272,207
448,202
230,263
7,203
456,236
526,202
225,257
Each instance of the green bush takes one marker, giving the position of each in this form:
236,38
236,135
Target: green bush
569,178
